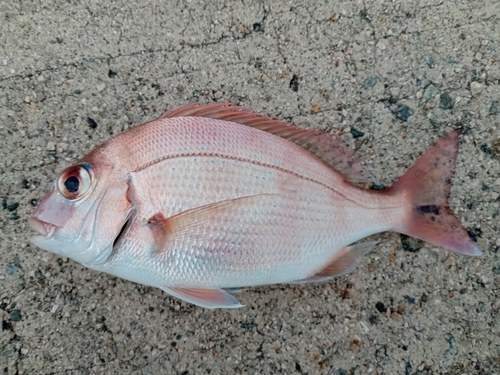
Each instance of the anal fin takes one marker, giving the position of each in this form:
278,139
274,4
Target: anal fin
344,262
208,298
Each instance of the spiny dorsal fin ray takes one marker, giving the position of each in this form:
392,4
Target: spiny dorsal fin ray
327,147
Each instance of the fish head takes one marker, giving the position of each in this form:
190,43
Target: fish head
84,212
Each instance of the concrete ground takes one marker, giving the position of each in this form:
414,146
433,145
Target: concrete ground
75,73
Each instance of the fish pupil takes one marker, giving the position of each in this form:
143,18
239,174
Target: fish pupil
72,184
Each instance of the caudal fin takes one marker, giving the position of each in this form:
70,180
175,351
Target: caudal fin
427,186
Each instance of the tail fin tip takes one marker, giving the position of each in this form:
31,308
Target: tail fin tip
427,186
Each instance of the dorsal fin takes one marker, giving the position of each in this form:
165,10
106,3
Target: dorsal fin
327,147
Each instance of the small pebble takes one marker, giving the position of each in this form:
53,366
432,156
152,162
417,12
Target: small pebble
356,133
411,244
12,268
247,325
294,83
354,347
429,60
380,307
403,112
435,122
395,316
61,147
395,92
136,117
13,206
371,81
91,122
54,309
51,146
476,88
15,315
410,299
453,349
445,101
100,87
430,92
40,97
494,108
381,355
449,261
218,95
496,270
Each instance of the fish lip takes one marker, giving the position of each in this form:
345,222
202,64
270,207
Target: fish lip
42,227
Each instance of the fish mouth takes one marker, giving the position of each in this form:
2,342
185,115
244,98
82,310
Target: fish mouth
42,227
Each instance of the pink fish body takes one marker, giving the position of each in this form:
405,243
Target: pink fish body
209,198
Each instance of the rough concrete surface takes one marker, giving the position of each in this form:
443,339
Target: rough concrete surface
75,73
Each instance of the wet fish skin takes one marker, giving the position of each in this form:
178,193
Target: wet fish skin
213,197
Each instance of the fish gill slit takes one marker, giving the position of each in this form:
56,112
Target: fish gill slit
122,232
250,161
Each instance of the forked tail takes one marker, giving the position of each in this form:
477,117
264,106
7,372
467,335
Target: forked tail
427,187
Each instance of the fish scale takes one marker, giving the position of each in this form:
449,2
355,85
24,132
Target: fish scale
214,197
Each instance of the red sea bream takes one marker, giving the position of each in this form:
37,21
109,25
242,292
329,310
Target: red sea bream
212,197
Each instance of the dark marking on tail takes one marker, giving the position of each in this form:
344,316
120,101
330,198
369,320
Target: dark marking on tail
428,209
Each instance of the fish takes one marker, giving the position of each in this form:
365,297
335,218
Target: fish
209,199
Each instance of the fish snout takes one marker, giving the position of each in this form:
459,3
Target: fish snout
42,227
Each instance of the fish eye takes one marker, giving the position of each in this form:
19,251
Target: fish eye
75,181
72,184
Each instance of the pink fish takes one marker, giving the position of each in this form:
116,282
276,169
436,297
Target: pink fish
212,197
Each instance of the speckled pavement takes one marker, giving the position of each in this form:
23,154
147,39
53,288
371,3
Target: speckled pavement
389,76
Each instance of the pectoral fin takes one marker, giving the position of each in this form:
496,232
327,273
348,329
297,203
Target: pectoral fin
344,262
194,222
208,298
